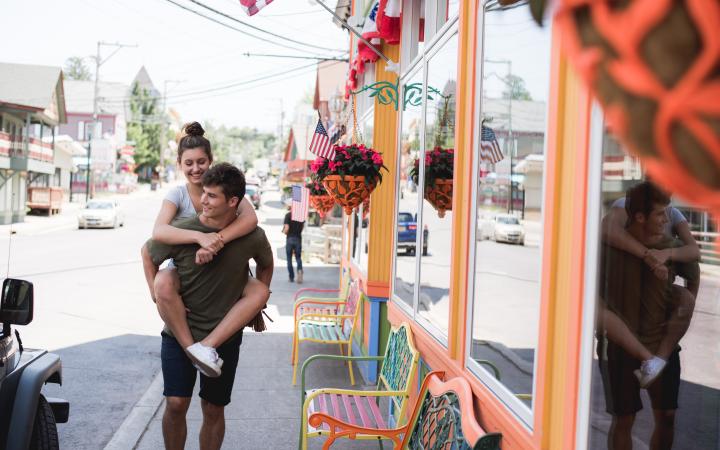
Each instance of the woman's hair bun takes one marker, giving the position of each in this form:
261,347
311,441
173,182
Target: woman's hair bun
193,129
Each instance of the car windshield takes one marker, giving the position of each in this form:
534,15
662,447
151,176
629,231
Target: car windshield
405,217
99,205
508,220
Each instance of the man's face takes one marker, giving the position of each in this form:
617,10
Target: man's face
654,223
214,203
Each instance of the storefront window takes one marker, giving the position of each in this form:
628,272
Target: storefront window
366,137
655,366
437,163
407,217
509,177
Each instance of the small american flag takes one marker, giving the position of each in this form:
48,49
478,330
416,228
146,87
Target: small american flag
320,144
489,148
299,205
251,7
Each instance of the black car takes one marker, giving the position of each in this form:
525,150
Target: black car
27,418
407,233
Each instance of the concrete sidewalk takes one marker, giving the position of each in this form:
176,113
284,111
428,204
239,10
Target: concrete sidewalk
265,409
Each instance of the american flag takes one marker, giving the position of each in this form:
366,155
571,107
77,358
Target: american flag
489,148
320,144
299,205
251,7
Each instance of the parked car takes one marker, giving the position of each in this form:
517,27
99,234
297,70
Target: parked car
407,233
101,214
28,419
507,228
252,192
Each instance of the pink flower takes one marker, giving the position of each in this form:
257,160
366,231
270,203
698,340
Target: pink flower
377,159
436,152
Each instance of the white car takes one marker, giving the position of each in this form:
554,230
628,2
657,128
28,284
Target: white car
507,228
101,214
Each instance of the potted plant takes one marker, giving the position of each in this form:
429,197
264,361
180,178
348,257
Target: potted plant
351,175
439,163
320,199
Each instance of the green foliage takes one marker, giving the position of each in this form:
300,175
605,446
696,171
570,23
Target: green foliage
315,185
144,128
235,144
75,69
516,89
439,164
352,160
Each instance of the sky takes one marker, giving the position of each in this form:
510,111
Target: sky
176,45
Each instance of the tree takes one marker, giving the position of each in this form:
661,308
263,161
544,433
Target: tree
515,88
75,69
144,128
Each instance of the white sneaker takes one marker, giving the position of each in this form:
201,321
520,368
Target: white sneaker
649,370
205,359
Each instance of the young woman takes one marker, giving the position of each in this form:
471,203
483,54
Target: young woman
194,158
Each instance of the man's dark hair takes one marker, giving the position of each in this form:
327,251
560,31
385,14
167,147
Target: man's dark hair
642,197
228,177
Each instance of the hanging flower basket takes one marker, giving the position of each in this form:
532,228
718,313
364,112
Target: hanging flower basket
322,203
349,191
652,64
440,195
350,175
439,166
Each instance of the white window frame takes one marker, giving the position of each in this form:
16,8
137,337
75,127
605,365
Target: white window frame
447,32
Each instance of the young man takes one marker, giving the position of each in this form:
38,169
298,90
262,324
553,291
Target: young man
293,244
209,292
639,306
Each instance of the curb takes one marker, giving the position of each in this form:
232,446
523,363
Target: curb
135,425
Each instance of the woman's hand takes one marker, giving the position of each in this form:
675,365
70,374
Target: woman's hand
203,256
211,241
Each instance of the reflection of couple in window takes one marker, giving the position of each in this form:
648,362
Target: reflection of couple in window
643,315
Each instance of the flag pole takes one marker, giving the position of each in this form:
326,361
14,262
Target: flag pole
390,65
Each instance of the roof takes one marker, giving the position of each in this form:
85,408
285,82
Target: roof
33,86
331,76
143,79
527,116
111,96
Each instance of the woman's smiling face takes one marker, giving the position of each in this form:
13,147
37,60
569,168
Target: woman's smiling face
194,162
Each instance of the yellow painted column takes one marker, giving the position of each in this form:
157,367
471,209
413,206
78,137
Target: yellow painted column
382,201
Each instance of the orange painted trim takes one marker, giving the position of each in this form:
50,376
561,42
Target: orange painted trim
378,289
494,416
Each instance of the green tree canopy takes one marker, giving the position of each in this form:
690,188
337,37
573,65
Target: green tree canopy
75,69
144,128
515,88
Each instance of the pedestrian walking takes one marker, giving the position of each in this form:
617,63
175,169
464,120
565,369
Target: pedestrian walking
293,244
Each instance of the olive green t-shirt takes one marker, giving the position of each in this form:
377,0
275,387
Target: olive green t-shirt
210,290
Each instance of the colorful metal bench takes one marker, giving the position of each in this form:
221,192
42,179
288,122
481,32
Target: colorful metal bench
322,325
442,419
357,414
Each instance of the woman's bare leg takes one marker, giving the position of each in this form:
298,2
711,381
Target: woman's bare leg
171,307
679,321
255,296
618,332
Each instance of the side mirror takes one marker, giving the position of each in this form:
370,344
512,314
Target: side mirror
16,306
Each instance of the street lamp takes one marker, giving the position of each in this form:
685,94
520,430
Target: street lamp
98,63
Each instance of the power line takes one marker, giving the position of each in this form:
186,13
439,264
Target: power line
234,28
318,58
202,5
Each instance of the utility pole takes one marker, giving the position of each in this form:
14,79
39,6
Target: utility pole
94,127
510,144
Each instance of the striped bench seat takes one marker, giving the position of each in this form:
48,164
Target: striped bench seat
354,409
311,330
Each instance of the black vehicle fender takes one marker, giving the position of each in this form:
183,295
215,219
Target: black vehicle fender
45,368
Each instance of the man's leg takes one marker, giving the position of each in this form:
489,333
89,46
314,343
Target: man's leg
679,321
212,431
174,426
171,307
254,298
664,432
620,434
288,253
298,258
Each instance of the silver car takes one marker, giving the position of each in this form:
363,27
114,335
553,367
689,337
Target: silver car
101,214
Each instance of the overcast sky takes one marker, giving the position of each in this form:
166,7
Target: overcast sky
174,44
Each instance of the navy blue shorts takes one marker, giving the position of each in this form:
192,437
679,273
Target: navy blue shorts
179,373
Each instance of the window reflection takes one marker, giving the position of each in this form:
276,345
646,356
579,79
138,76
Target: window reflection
656,368
509,189
411,127
364,229
437,164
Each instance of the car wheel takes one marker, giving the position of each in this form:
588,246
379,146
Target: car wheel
44,435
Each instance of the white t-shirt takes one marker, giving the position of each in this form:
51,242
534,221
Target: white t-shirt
675,217
180,196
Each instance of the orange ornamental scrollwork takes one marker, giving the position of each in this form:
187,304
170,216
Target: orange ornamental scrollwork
440,195
349,191
322,203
